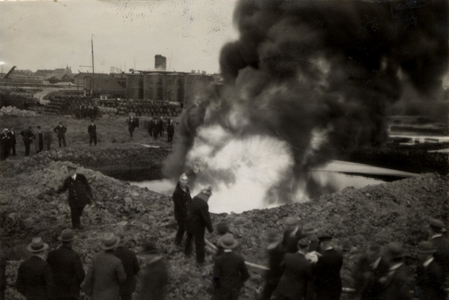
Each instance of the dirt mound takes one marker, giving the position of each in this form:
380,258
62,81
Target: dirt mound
393,211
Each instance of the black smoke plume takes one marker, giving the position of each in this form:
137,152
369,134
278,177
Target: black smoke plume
330,67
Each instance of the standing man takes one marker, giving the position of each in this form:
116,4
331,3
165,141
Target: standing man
35,278
105,273
181,199
67,268
327,271
150,127
292,234
92,130
276,254
40,138
160,126
4,143
430,279
198,219
132,124
12,140
28,137
297,273
80,194
170,131
230,272
154,276
441,244
130,265
60,130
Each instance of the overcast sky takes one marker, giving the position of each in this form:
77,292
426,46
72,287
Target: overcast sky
52,34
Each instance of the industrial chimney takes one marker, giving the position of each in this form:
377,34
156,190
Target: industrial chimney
160,62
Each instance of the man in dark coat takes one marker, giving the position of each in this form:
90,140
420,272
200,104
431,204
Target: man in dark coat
170,131
92,130
150,127
155,129
40,140
35,278
230,272
154,278
292,234
132,124
67,268
441,244
4,144
297,274
80,194
28,137
131,266
60,132
310,232
198,219
378,271
181,199
397,283
160,126
105,272
429,280
362,269
12,140
327,271
276,254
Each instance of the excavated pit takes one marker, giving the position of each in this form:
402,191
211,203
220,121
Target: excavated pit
356,218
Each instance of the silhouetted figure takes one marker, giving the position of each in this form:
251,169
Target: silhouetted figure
60,132
40,140
67,268
181,199
170,131
12,140
5,142
92,130
130,265
28,137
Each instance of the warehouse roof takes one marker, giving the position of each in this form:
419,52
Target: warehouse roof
108,84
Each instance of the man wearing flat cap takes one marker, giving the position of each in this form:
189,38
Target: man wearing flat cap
105,272
35,278
67,267
327,281
297,274
80,195
181,199
440,242
198,219
397,283
230,272
429,275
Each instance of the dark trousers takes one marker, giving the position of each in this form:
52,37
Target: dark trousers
170,137
13,148
75,214
27,148
180,233
126,296
94,139
41,145
270,286
199,245
131,131
61,139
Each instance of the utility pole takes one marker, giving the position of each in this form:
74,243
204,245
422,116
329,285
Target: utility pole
92,43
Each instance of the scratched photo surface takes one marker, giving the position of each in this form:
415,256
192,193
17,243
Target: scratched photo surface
332,112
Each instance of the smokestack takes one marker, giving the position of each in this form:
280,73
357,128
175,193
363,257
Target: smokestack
160,62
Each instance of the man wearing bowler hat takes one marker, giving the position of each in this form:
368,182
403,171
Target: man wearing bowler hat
67,267
429,279
230,272
105,272
198,219
35,278
80,194
327,281
181,199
